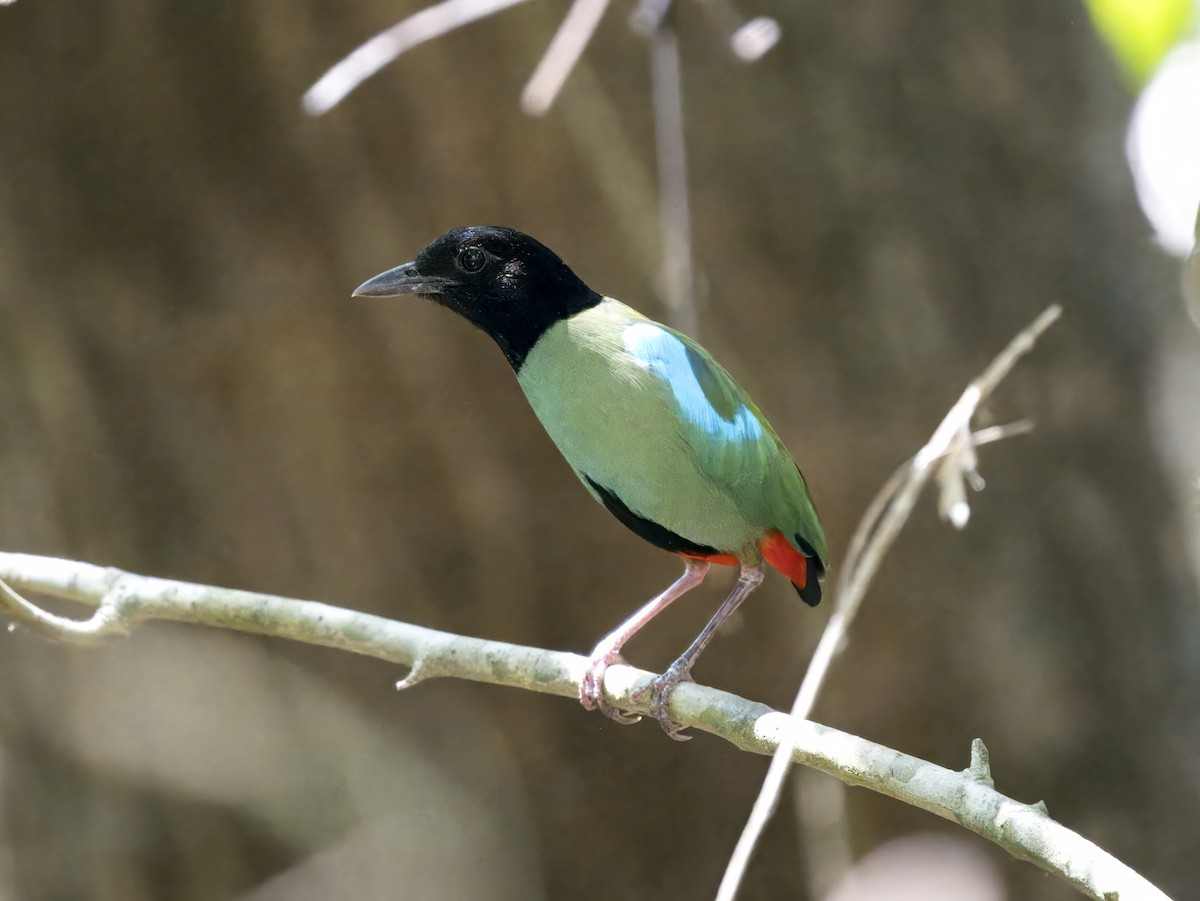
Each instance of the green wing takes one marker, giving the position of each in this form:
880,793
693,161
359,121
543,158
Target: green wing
735,447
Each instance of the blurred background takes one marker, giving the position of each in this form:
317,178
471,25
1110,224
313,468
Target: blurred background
878,205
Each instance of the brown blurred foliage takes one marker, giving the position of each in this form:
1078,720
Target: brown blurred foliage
188,391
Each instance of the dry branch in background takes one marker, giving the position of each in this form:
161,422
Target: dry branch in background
950,455
368,58
123,600
653,20
749,41
561,55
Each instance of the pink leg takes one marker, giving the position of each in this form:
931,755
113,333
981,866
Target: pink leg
608,651
662,687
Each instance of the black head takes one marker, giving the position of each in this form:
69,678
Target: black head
508,284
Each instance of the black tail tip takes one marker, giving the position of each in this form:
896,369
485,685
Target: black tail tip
810,593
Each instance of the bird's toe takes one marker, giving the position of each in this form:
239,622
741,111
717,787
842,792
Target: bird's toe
661,690
591,689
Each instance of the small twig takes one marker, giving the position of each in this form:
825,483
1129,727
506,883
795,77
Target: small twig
560,57
431,22
1025,831
100,626
872,540
678,280
869,522
652,18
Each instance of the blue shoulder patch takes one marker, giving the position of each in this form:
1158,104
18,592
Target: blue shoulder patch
662,353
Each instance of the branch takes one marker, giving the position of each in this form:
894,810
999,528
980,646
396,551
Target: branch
950,453
561,55
670,148
123,600
367,59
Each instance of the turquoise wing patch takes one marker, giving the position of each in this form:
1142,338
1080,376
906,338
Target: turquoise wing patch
706,397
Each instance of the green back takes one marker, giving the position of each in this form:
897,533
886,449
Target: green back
645,411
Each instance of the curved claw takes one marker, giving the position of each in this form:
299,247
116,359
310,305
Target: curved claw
661,690
591,690
616,715
674,731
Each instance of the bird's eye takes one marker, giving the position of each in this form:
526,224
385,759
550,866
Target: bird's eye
472,259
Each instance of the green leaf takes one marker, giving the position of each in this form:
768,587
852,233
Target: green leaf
1140,32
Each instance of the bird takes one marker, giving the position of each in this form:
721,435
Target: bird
656,430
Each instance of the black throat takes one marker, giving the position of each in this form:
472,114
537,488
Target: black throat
516,329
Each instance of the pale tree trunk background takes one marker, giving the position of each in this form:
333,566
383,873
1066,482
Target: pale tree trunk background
187,391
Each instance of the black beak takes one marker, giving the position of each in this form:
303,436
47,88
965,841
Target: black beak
403,279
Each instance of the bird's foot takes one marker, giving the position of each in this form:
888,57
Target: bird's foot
591,687
661,690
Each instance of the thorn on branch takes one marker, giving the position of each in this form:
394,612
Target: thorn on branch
1041,808
980,769
416,674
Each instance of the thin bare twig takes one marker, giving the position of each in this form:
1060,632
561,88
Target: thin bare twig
678,279
872,540
967,797
561,55
653,19
431,22
100,626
